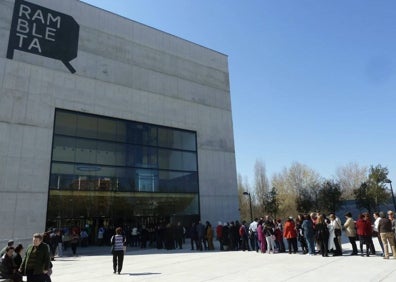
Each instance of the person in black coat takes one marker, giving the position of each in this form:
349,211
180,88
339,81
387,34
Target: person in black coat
18,256
322,235
36,263
9,269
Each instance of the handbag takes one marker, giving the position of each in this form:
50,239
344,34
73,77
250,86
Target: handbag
337,231
112,245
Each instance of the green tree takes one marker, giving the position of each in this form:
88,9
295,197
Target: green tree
271,202
373,192
305,202
329,197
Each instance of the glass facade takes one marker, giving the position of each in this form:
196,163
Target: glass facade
121,170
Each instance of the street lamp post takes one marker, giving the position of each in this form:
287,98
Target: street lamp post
393,196
250,205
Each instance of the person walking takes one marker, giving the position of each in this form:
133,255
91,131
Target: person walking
118,242
59,241
74,241
37,260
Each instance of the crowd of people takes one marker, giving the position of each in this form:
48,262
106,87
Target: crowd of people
311,234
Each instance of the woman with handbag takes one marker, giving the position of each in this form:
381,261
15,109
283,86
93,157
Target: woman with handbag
118,242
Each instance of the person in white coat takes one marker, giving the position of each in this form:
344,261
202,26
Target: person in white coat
331,245
336,223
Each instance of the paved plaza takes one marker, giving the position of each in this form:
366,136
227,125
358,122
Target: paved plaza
95,264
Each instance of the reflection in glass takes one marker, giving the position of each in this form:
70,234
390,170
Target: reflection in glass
149,170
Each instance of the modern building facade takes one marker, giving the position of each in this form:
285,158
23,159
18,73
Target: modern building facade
104,120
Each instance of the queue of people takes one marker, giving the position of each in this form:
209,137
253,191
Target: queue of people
312,234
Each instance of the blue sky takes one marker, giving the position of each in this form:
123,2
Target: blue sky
312,81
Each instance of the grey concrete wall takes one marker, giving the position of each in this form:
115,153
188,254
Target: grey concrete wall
125,70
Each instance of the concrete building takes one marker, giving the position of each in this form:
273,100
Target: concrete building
105,121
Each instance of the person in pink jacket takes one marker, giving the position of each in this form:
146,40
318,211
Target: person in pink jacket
261,239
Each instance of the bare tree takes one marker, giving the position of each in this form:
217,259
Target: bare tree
244,205
286,196
329,196
350,177
261,186
294,183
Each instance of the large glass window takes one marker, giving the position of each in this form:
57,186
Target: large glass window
105,155
89,151
176,139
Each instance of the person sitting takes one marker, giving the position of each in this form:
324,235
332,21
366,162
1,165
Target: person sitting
8,267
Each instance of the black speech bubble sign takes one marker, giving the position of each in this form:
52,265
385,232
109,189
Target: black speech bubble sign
38,30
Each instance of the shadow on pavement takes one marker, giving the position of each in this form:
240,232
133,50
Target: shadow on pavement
144,273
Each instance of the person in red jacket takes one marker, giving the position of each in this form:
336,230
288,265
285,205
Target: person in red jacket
364,231
219,235
290,233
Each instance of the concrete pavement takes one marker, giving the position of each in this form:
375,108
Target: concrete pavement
95,264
